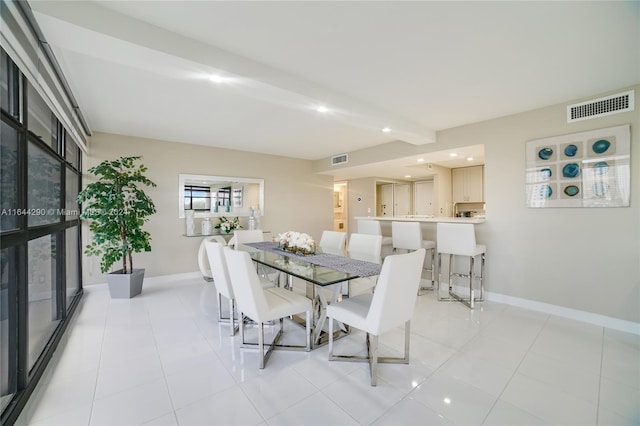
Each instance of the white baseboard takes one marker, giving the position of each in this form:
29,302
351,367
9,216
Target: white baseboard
161,279
561,311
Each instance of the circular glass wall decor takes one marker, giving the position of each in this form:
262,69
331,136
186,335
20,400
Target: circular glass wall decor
571,170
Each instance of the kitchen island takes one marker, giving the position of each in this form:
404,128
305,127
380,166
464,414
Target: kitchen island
424,219
428,224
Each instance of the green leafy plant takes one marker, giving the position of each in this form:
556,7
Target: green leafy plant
117,208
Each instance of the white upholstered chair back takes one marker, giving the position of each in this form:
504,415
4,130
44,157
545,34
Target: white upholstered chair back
457,238
219,268
371,227
406,235
246,284
333,241
365,247
242,236
394,300
203,261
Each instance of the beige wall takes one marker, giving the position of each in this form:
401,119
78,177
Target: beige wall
295,197
582,258
586,259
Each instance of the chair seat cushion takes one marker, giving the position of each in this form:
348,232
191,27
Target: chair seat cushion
352,311
283,303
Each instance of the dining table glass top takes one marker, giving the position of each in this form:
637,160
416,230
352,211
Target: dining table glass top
306,268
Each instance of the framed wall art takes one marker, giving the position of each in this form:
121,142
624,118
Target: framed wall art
586,169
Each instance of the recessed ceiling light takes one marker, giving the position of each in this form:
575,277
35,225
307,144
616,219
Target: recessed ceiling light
420,160
453,154
386,130
469,158
407,176
322,109
218,79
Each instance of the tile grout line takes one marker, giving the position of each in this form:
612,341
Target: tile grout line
515,371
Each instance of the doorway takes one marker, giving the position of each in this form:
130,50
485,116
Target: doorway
423,201
340,206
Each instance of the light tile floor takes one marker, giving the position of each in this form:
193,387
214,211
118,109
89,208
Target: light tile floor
163,359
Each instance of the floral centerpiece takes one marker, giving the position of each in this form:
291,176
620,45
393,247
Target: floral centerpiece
296,242
228,225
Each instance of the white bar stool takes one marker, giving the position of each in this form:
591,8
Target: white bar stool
372,227
459,239
408,236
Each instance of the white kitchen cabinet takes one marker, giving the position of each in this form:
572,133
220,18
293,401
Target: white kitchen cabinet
467,184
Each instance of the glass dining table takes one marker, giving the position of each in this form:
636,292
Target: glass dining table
323,272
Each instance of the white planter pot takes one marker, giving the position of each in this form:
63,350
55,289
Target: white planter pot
125,286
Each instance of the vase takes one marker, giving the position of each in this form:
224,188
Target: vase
206,226
190,224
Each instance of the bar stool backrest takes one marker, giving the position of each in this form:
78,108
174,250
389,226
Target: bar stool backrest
406,235
371,227
456,238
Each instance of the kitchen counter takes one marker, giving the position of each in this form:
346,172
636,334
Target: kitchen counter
474,220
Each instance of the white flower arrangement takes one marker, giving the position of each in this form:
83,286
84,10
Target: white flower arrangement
228,225
296,242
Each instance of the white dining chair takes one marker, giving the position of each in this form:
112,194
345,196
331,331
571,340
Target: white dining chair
408,236
264,305
390,306
243,236
221,281
203,261
363,247
333,242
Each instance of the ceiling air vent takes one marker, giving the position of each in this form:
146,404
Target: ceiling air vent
600,107
339,159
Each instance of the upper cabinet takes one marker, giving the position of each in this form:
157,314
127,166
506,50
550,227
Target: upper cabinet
468,184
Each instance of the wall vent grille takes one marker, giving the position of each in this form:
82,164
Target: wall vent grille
600,107
339,159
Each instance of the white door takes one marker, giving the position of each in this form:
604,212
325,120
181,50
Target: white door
386,200
423,202
403,200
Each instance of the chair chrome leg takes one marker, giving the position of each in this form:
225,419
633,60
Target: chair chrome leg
231,317
373,358
241,319
330,339
261,344
407,340
308,330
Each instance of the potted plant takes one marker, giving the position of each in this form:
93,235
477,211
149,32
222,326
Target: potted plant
117,208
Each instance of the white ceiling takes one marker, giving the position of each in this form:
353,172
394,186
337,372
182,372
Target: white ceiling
141,67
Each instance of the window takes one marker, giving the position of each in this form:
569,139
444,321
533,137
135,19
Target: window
43,196
40,263
9,86
7,325
43,308
9,178
197,198
41,121
72,262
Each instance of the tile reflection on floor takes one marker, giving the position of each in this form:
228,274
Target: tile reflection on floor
163,359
